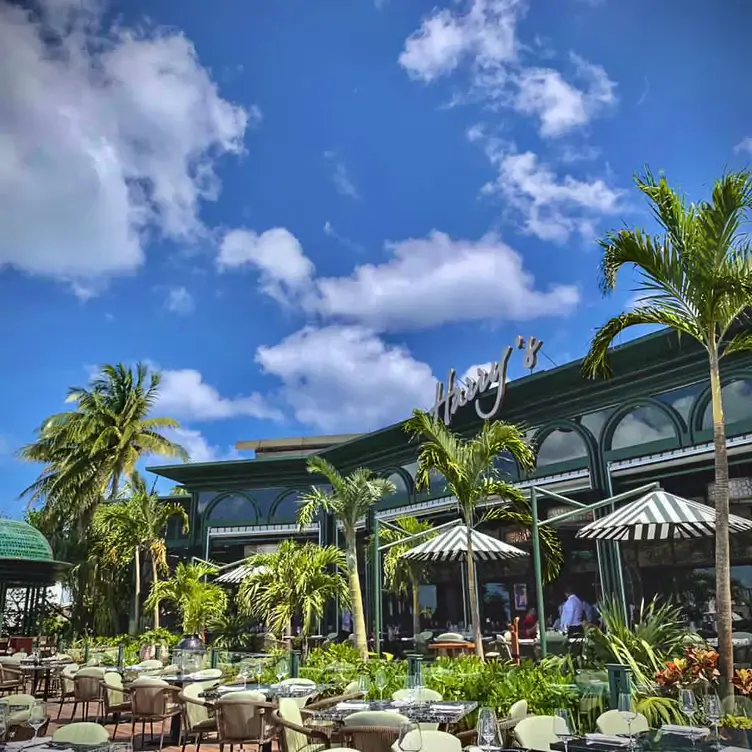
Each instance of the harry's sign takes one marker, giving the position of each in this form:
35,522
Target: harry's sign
446,405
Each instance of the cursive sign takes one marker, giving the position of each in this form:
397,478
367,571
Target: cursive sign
446,404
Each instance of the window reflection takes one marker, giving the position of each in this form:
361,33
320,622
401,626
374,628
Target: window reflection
594,422
561,446
644,424
682,399
737,404
286,508
400,486
234,508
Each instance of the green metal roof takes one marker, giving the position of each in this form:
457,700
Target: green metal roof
22,542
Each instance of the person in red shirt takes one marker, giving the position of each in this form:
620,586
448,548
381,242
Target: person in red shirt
530,624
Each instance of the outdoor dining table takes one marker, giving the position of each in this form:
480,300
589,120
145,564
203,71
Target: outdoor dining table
45,744
655,740
268,690
443,713
447,648
41,673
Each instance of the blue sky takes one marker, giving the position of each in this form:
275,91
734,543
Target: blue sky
306,213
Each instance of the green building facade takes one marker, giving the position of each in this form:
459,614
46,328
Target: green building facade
650,421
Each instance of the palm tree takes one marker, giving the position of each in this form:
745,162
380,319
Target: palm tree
695,277
403,576
199,603
471,475
88,451
134,525
295,580
350,499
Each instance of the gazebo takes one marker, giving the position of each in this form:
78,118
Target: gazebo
26,563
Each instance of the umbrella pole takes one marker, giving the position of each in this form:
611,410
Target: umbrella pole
616,560
538,574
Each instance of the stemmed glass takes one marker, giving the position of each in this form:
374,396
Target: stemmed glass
259,667
410,739
563,726
713,713
363,685
243,675
487,728
689,708
380,682
627,713
37,717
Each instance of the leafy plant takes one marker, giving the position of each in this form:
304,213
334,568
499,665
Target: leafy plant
743,681
698,667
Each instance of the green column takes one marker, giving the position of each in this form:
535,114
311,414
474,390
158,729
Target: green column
538,573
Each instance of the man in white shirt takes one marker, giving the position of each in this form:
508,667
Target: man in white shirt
571,611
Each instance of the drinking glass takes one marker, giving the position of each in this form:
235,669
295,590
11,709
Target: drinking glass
380,682
487,728
259,672
410,739
282,669
243,675
363,685
121,747
688,703
37,716
627,713
563,726
713,712
412,688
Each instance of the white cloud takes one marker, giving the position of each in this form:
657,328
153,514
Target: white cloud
109,134
486,33
343,183
185,395
560,107
551,208
344,378
179,301
472,371
436,280
485,37
745,145
278,256
197,446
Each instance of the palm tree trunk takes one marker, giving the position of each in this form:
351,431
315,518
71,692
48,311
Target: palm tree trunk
154,578
474,606
356,598
414,587
722,547
137,597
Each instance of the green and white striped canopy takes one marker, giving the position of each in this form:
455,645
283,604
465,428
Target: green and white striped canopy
660,516
451,545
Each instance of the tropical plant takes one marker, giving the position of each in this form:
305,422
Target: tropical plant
88,451
198,602
403,576
698,667
350,499
694,277
232,631
470,470
295,581
743,681
655,635
133,525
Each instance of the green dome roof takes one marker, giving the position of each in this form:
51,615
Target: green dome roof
19,540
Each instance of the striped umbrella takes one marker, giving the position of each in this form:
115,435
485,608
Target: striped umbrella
451,545
660,516
238,574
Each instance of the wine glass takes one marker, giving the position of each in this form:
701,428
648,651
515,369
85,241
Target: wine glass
37,717
487,728
627,713
243,674
259,671
688,703
563,726
412,687
410,739
363,685
281,669
713,712
380,682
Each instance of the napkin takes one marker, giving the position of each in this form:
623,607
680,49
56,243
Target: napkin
670,728
349,705
37,742
443,708
618,741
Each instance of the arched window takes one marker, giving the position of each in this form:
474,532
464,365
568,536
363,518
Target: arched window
561,445
594,422
506,465
645,424
401,489
737,404
285,508
438,483
236,509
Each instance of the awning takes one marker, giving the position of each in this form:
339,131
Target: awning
452,546
660,516
237,575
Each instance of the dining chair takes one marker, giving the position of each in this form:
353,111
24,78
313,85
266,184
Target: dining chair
67,688
294,735
539,732
87,689
152,699
435,741
197,720
243,718
372,730
613,724
81,733
115,698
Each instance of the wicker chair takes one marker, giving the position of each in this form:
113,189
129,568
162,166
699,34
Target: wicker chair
18,729
372,730
11,678
82,734
152,699
294,735
197,722
243,718
67,688
116,700
87,689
